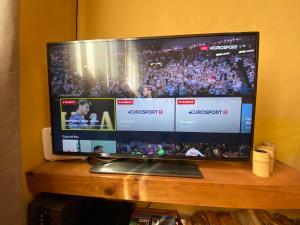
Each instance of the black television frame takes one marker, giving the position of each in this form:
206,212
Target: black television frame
144,157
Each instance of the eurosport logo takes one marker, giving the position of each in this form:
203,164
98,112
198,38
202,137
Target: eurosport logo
146,112
224,47
209,112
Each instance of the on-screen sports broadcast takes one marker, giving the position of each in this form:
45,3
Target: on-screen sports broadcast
184,97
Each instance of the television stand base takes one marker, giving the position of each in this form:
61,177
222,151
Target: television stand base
174,168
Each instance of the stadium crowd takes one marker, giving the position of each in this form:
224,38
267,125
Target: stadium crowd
162,73
203,150
214,151
143,148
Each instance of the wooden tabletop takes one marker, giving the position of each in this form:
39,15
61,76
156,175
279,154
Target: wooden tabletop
225,184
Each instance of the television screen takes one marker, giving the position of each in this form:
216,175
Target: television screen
183,97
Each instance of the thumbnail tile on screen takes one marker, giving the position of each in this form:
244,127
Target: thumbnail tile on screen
219,115
145,148
70,145
145,114
246,120
212,150
98,146
88,114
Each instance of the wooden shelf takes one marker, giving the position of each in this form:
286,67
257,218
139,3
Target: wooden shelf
225,184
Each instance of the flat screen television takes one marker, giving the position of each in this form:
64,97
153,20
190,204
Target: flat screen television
172,97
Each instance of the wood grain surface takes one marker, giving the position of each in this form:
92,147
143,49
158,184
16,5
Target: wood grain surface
225,184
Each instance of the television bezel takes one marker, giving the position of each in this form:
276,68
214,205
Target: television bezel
124,156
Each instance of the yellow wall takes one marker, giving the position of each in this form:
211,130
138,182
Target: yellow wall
41,21
278,99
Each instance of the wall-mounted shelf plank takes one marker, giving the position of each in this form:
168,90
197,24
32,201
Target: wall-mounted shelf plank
225,184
